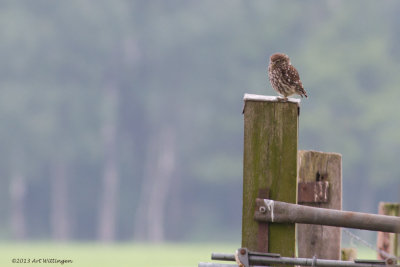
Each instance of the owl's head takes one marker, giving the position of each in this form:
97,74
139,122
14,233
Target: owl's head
279,59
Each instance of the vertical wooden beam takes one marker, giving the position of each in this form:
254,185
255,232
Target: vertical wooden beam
317,240
389,242
270,162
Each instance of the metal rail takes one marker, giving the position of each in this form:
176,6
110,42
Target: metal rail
248,258
282,212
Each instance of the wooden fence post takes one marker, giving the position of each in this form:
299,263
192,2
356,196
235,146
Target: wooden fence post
269,167
389,242
320,185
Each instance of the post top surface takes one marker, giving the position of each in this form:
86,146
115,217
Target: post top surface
316,152
268,98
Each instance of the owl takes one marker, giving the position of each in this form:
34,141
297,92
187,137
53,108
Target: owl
284,77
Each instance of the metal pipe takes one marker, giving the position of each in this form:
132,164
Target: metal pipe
222,257
282,212
308,262
262,260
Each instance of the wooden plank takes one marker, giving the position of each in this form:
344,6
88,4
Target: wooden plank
388,242
316,240
269,161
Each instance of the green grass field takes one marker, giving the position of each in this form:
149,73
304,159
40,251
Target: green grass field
118,255
92,254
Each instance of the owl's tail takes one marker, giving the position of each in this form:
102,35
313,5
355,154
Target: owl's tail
303,92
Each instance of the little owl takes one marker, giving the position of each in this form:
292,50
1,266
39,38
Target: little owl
284,77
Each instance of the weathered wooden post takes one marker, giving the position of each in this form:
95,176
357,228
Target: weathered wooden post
320,185
389,242
269,168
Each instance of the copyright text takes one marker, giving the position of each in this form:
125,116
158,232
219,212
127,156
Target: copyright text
41,260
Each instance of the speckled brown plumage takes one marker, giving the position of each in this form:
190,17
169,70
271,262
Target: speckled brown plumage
284,77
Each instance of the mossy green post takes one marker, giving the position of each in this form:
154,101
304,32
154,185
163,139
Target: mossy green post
389,242
270,161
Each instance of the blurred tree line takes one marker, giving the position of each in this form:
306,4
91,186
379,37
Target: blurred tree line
122,119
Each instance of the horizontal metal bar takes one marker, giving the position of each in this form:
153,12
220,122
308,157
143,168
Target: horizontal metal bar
309,262
263,260
282,212
222,257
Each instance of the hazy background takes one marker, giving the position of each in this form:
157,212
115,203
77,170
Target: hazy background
121,120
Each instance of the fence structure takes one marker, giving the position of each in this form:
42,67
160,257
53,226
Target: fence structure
276,176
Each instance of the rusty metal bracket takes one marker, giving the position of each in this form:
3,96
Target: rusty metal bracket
313,192
242,256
